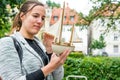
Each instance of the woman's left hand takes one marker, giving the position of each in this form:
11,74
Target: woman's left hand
48,41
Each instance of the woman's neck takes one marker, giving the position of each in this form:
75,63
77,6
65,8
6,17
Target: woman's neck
26,35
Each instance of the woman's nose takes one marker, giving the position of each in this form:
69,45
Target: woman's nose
39,20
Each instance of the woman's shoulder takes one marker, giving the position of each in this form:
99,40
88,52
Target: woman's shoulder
6,41
6,45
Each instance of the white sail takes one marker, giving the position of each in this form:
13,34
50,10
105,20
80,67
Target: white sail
76,38
55,28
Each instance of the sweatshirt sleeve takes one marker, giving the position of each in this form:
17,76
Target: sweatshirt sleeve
10,68
37,75
58,74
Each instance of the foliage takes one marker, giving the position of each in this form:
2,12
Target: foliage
82,20
76,55
98,11
52,4
102,1
5,15
106,8
94,68
111,25
98,44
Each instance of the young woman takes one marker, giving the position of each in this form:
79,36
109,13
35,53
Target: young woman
39,62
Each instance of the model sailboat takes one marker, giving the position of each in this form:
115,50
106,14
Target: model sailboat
59,36
56,29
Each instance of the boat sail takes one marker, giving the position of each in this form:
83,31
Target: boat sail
74,36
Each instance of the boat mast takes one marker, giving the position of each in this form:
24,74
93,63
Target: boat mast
60,37
71,37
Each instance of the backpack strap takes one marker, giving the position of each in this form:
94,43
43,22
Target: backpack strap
19,50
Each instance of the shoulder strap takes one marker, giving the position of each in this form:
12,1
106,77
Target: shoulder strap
20,53
18,48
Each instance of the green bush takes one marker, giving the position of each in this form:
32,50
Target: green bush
94,68
76,55
7,14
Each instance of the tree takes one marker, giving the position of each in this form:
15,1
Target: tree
5,15
52,4
103,9
107,9
98,44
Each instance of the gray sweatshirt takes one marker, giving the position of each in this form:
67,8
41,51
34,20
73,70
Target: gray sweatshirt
10,68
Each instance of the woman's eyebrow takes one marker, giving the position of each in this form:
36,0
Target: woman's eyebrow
39,14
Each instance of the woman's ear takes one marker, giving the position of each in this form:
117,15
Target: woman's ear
22,16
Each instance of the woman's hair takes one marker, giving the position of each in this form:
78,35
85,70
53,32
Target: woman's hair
25,8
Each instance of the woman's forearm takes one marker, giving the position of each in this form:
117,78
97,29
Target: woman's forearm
47,69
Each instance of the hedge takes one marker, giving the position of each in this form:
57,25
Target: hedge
94,68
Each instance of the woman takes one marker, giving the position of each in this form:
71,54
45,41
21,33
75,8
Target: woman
38,62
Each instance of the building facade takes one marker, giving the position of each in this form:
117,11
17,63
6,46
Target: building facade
70,16
111,37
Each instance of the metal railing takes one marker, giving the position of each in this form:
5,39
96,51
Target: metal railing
76,76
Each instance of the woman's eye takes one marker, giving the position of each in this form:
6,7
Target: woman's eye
35,16
43,18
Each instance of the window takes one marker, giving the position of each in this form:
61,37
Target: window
72,18
115,48
115,37
55,18
64,18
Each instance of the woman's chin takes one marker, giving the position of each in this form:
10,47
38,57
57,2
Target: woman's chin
35,32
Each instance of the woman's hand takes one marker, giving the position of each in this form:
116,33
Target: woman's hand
55,62
48,41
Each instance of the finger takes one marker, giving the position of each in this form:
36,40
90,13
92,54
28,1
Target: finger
65,54
53,54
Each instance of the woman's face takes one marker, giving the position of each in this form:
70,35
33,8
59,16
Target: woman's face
33,21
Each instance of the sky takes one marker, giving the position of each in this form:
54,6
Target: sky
79,5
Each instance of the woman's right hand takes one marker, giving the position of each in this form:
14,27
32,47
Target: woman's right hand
55,62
